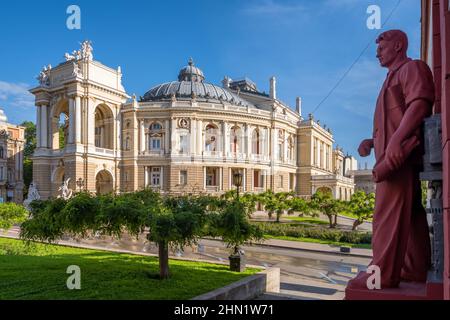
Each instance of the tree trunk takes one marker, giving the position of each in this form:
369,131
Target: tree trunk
335,220
330,219
356,223
163,251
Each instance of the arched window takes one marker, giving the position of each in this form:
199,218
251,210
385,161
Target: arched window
235,139
104,122
58,126
155,126
127,143
290,149
155,137
256,143
211,142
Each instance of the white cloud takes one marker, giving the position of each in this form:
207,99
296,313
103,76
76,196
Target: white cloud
358,92
273,8
16,94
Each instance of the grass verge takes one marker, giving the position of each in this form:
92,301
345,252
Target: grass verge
38,271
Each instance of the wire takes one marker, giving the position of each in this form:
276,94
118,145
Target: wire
354,62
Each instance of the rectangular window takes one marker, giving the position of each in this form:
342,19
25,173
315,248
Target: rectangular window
155,144
183,144
183,177
258,179
212,177
155,176
280,152
280,185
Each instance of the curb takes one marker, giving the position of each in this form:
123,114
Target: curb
251,287
303,249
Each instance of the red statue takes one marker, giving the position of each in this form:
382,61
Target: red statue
400,242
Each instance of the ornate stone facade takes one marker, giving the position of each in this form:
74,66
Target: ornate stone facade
12,140
181,137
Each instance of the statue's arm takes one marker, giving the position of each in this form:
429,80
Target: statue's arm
417,111
412,119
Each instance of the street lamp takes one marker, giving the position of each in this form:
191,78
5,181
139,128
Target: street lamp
80,183
237,181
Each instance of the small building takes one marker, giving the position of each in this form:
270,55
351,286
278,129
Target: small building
363,180
12,141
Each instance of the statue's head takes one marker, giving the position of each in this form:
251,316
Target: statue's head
392,45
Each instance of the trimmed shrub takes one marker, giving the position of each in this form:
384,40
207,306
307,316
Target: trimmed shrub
319,233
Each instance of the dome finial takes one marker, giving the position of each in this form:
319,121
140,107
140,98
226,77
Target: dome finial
191,61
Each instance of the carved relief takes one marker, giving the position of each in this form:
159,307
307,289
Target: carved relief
183,123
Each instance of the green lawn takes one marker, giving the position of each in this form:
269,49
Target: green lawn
39,272
310,220
331,243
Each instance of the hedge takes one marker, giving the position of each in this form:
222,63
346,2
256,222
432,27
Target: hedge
320,233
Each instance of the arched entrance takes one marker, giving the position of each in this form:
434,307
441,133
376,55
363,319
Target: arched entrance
58,178
324,190
59,127
103,182
104,130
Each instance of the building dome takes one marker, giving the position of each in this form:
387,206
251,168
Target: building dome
191,73
191,85
3,117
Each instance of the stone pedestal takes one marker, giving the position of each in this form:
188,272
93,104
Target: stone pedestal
237,263
431,290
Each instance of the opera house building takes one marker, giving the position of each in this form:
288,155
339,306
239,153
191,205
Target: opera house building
183,136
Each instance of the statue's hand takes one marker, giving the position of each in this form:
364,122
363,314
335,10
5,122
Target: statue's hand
394,154
365,147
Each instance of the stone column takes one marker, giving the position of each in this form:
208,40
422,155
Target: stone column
142,136
285,147
161,178
90,122
199,139
38,127
77,128
249,144
44,126
166,136
118,131
275,145
173,136
71,120
204,178
192,137
226,139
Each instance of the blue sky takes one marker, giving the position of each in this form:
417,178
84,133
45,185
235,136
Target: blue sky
306,44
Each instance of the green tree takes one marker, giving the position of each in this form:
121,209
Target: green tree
30,146
362,206
62,138
269,201
30,138
10,214
282,203
301,206
324,202
172,222
233,226
176,223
